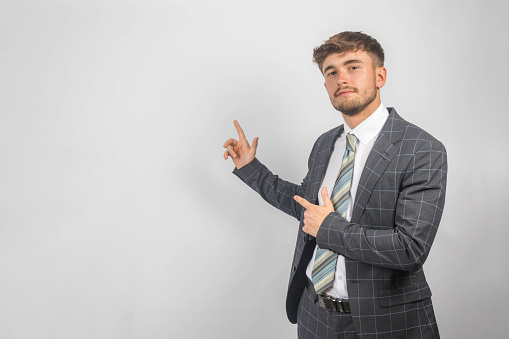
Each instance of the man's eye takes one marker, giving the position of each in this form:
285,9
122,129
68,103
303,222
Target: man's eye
353,68
332,73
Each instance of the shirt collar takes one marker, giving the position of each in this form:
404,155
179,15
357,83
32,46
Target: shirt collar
370,127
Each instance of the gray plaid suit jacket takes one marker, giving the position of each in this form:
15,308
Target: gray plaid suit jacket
396,213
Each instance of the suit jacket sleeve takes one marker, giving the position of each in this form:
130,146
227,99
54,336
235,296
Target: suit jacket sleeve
276,191
406,244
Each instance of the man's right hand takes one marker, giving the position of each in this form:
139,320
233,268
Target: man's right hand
240,151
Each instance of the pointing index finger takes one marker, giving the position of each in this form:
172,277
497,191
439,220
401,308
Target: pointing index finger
303,202
239,130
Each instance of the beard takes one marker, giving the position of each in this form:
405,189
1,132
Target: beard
355,105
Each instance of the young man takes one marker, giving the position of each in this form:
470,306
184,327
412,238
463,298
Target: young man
369,207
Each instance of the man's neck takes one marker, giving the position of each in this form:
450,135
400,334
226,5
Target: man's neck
355,120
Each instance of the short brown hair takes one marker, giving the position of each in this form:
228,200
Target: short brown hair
349,42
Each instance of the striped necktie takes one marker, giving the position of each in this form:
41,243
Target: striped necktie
324,266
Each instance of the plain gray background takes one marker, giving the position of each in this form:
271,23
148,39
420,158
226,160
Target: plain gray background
120,219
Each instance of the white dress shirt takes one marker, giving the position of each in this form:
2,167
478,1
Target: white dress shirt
366,133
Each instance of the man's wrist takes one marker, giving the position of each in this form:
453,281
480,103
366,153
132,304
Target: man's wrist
248,169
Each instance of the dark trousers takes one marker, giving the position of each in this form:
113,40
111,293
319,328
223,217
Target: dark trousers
314,321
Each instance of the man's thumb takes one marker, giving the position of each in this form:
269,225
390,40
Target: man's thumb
325,197
254,144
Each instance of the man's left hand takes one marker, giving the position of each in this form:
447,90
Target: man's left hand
315,214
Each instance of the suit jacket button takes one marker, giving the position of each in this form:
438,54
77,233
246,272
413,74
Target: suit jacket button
294,268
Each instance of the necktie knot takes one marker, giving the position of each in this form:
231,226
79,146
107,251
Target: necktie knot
351,142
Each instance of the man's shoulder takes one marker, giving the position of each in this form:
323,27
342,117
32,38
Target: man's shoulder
329,136
409,133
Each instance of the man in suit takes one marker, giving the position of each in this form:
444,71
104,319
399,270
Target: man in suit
369,207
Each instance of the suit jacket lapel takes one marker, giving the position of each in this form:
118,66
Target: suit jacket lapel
379,158
324,153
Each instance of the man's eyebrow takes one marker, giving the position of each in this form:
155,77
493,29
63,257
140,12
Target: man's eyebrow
327,68
348,62
352,61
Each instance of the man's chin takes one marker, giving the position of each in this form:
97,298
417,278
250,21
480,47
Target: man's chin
352,108
350,113
346,110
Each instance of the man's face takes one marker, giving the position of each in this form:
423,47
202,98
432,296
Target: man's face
352,81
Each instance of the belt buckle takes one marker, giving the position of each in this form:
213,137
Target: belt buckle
337,304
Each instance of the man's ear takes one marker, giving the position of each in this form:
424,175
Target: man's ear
381,77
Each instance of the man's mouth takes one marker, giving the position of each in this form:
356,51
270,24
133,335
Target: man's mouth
344,92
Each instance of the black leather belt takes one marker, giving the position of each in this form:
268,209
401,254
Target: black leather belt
338,305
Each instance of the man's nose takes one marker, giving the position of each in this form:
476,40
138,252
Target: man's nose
342,78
